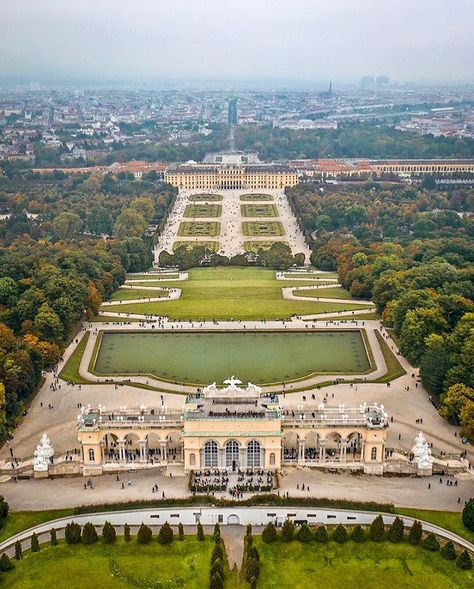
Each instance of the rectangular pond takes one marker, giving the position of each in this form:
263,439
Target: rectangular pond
204,357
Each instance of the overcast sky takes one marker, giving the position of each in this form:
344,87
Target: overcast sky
237,39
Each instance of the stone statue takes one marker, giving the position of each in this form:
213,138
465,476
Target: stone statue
43,454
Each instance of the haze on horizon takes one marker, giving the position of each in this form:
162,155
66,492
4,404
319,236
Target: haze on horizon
224,39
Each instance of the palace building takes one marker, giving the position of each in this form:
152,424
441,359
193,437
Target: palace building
193,176
230,429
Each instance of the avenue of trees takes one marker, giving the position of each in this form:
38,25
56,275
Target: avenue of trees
421,280
55,269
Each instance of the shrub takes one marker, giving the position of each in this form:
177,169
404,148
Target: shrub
54,537
200,532
448,551
217,533
321,535
109,535
217,567
180,532
395,531
252,570
358,534
35,546
72,533
217,552
165,535
18,550
4,509
288,531
248,531
216,582
377,529
416,533
144,534
467,514
126,533
269,533
5,563
340,534
304,534
430,543
89,534
464,561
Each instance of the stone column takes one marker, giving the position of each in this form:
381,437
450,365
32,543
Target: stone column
143,450
301,450
322,450
163,456
221,458
121,444
342,454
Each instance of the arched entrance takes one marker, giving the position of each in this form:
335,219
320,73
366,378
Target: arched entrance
232,455
233,520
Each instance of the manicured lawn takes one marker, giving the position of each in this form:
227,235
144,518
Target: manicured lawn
250,197
353,566
451,520
148,278
206,197
128,294
17,521
210,245
259,210
263,229
395,369
70,372
361,317
157,283
309,275
196,229
325,293
254,246
203,210
239,293
181,564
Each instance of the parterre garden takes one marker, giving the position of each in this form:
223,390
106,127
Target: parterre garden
254,246
262,229
206,197
213,246
199,229
259,210
203,210
251,197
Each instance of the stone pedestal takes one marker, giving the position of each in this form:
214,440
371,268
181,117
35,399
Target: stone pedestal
425,472
40,474
92,470
373,468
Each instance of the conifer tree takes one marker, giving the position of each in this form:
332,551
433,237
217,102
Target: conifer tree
448,551
54,537
200,532
321,535
396,530
377,529
358,534
288,531
415,534
464,561
269,533
5,563
35,547
109,535
18,550
165,535
340,534
89,534
144,534
126,533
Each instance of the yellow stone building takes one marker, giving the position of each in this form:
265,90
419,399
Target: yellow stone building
230,429
231,176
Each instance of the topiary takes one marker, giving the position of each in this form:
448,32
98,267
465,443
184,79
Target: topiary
269,533
5,563
430,543
144,534
340,534
4,509
109,535
252,569
180,532
18,550
288,531
216,582
321,535
72,533
217,533
358,534
304,534
35,547
377,529
396,530
165,535
200,532
217,552
448,551
126,533
468,514
464,561
217,567
89,534
416,533
54,537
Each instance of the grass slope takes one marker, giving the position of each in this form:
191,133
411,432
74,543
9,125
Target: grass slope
325,293
70,372
128,294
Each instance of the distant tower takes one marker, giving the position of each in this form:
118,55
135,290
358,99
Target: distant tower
328,93
330,90
232,113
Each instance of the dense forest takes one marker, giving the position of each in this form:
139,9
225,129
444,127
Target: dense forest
56,267
411,251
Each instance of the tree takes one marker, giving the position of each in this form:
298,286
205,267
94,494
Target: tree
72,533
35,546
340,534
4,509
18,550
252,569
464,561
8,292
109,535
287,531
47,324
67,225
216,582
217,533
217,552
358,534
217,567
395,531
129,224
89,534
468,514
304,533
269,533
5,563
434,363
165,535
54,537
144,534
377,529
454,400
180,532
430,543
418,325
200,532
321,535
448,551
415,534
126,533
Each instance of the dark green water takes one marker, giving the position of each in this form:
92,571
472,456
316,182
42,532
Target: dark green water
202,358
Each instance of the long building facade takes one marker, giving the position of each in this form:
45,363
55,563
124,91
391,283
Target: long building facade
230,429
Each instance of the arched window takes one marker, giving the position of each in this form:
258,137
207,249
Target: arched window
373,454
192,460
91,455
232,454
210,454
272,459
253,454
